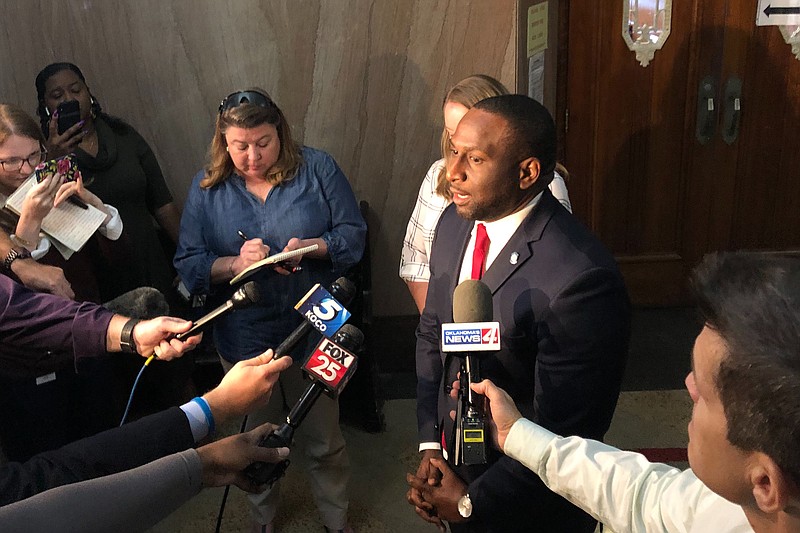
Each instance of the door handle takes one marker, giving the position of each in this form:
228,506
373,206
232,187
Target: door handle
706,110
731,116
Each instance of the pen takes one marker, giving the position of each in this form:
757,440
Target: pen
77,201
242,235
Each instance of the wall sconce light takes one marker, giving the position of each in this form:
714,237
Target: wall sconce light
791,34
646,26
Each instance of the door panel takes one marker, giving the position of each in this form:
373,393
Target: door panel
639,177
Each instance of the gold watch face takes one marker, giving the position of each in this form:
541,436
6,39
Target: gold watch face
465,506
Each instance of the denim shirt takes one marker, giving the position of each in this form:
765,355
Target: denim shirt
317,203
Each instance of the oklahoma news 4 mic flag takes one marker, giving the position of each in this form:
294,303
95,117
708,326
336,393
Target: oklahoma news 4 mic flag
471,337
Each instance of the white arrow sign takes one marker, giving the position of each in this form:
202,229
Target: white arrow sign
778,13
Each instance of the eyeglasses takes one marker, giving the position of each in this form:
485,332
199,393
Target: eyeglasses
15,164
245,97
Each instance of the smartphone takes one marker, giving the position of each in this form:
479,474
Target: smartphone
69,114
66,166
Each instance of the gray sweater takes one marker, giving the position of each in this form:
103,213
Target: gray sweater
133,500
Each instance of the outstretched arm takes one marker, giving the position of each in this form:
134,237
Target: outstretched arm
147,494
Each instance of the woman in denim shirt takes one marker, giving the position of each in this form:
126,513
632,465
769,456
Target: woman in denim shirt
262,192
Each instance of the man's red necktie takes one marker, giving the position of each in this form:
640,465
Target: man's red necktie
479,254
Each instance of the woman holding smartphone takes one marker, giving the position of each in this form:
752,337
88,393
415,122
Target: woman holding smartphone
21,150
117,165
40,414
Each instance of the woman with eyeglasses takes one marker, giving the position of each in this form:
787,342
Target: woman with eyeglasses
41,414
262,193
21,149
118,166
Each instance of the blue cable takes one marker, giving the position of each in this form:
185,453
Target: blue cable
133,389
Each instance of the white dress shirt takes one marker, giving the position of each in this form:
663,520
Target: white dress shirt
623,490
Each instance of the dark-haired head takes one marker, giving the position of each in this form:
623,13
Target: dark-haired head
532,128
752,301
43,76
466,93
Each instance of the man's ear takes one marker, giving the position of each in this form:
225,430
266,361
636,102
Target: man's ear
529,171
773,490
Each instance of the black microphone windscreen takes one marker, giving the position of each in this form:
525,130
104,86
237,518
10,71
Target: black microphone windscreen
343,290
349,337
472,302
245,295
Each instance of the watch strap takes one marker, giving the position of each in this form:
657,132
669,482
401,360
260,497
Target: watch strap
126,341
13,255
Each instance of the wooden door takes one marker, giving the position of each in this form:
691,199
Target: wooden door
657,196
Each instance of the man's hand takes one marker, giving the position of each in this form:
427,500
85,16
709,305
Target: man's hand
246,386
426,475
42,278
443,496
502,409
224,460
154,337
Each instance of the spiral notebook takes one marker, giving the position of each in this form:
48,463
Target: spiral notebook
68,226
271,260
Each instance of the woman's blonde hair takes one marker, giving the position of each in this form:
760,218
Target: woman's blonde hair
15,121
467,92
248,116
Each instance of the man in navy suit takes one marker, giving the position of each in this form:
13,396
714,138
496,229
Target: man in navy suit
564,319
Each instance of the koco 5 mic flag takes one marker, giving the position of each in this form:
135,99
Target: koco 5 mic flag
322,310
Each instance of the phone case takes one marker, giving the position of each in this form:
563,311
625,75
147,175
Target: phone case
69,114
65,166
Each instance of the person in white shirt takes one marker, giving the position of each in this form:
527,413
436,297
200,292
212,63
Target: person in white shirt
743,437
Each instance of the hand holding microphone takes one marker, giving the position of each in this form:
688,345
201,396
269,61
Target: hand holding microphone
330,366
472,332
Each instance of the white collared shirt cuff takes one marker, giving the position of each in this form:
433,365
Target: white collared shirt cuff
197,420
113,230
41,249
529,440
429,446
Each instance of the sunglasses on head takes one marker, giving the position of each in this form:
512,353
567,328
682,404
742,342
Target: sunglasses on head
245,97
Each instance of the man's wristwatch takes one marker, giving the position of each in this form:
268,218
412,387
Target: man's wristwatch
13,255
465,506
126,341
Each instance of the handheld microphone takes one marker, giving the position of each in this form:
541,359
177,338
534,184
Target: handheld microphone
322,311
472,332
330,366
244,296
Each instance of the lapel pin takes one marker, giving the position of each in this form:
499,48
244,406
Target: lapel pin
514,258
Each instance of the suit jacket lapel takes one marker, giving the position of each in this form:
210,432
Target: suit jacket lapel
452,251
520,248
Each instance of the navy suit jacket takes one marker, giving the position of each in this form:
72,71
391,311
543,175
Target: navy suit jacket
564,323
111,451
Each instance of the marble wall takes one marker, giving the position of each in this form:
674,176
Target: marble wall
361,79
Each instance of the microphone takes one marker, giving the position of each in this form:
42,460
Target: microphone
330,366
322,311
244,296
472,332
